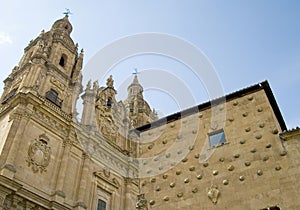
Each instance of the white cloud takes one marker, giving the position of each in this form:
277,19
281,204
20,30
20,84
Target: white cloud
5,38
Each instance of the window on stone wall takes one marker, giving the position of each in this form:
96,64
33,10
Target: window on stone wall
63,60
52,96
103,201
217,138
101,205
109,102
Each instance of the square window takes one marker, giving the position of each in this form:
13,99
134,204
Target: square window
217,138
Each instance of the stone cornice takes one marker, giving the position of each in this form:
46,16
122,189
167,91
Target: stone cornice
290,134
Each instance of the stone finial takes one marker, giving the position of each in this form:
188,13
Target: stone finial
141,202
89,85
95,85
110,82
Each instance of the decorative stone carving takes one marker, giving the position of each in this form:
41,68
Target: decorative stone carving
236,156
241,178
283,153
172,184
213,194
153,180
245,114
247,163
269,145
57,83
184,160
141,202
242,141
186,180
195,190
225,182
152,202
260,109
275,131
265,158
199,176
180,194
215,172
230,168
259,172
39,154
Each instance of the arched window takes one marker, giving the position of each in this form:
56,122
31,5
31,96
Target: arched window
52,96
108,102
63,60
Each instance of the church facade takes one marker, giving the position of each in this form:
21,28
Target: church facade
230,153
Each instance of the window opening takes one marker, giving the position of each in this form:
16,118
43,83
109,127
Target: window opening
108,102
63,60
217,138
101,205
52,96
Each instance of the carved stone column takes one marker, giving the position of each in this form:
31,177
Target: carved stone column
83,191
3,193
131,189
20,120
59,193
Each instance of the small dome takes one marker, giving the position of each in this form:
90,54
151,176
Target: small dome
63,25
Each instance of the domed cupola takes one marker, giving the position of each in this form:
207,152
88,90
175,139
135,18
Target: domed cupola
63,25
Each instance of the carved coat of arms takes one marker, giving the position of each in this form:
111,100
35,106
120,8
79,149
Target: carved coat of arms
38,155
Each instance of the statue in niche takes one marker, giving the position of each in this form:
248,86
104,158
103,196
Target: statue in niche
213,193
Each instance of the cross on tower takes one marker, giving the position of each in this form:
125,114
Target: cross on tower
135,71
67,12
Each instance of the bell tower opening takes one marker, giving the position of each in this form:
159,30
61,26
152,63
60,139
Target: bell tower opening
52,96
63,60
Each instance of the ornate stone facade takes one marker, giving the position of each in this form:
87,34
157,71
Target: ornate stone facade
223,154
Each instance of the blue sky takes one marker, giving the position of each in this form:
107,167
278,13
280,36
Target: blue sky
247,41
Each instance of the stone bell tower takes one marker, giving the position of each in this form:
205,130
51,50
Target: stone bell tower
38,124
137,107
50,68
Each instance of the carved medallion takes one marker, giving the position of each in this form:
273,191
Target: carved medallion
39,154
